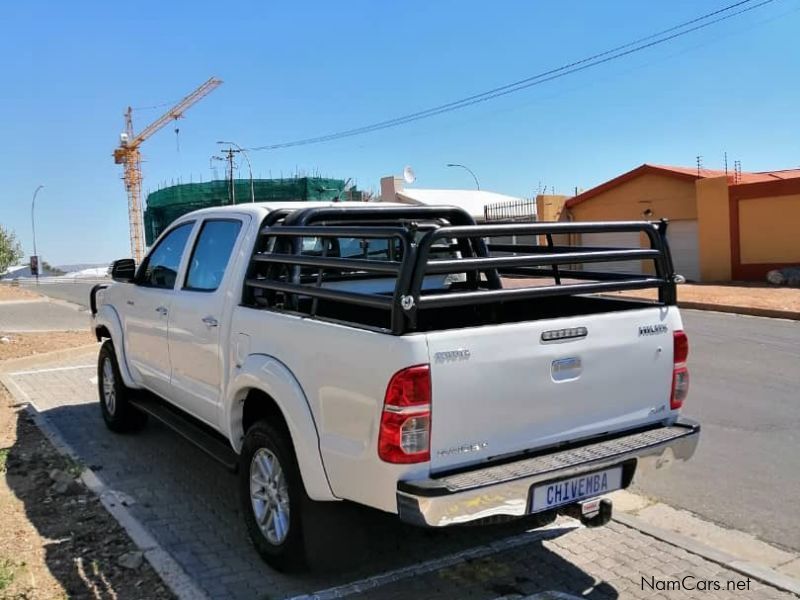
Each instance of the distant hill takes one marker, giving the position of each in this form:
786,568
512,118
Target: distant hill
92,270
81,267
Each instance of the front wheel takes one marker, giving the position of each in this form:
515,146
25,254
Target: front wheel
272,496
118,413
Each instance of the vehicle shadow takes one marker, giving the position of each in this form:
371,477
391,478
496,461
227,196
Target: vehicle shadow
189,504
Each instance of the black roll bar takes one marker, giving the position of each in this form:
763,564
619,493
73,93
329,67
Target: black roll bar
420,231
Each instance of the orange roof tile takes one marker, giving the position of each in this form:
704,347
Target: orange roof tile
687,173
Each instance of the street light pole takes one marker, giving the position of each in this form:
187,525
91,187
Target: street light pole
33,226
249,167
477,185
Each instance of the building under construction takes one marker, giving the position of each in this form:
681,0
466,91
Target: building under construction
167,204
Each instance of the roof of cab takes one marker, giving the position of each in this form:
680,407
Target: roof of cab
261,209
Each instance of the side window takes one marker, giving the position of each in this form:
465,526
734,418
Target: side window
160,268
364,248
211,254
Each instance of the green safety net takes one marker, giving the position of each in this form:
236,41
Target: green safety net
167,204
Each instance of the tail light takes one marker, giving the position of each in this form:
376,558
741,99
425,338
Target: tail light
405,435
680,373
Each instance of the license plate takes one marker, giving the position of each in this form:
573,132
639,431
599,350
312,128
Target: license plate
567,491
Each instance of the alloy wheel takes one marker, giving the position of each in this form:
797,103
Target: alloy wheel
269,496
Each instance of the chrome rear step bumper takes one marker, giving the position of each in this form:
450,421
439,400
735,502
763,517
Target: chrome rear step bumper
504,489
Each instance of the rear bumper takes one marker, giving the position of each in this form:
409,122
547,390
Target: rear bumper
504,489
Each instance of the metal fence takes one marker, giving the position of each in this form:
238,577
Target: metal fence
52,280
517,211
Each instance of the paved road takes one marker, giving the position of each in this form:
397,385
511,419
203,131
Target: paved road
73,292
745,390
17,317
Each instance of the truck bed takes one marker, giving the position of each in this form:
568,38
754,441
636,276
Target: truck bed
521,347
496,313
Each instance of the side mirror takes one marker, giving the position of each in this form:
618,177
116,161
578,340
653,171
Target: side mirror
123,270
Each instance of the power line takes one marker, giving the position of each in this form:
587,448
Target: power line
522,84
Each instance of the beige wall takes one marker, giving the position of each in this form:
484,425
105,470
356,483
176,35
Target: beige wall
389,187
550,207
668,197
713,228
768,229
767,226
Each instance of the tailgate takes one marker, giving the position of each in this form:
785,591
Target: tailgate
503,389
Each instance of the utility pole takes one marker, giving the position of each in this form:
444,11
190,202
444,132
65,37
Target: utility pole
249,167
231,189
33,227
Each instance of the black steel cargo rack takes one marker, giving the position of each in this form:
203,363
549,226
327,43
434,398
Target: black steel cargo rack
286,275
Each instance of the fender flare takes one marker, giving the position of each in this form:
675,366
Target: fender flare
107,317
269,375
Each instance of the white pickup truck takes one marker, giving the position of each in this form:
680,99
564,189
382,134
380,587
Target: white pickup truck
399,357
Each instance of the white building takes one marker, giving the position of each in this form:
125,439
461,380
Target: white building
476,202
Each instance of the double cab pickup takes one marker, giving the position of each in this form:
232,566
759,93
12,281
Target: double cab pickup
405,358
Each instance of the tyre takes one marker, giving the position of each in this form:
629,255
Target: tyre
273,497
119,415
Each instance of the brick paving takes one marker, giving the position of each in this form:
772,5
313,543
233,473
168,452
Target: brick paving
189,504
604,563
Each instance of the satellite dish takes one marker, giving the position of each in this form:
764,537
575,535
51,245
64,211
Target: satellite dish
408,175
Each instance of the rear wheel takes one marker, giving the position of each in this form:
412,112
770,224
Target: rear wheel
118,413
272,495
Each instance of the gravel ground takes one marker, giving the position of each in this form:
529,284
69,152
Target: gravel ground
754,295
17,345
56,539
10,294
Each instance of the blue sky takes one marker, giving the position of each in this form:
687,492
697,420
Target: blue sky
299,69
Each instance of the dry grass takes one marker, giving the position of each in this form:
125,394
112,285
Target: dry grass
10,293
19,345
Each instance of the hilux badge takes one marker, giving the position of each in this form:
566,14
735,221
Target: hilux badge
452,355
653,329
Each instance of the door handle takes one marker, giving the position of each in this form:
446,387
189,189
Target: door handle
130,302
210,321
162,310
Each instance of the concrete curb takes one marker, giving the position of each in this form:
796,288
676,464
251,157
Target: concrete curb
68,304
29,300
752,570
742,310
171,573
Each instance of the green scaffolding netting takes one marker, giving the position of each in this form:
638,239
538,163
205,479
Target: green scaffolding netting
167,204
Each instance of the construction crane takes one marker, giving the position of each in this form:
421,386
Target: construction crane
129,156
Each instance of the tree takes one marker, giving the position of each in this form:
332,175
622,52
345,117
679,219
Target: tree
10,249
49,269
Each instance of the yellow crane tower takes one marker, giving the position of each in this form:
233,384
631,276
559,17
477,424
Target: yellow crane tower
128,155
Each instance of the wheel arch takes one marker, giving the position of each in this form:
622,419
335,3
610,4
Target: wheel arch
107,324
264,388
